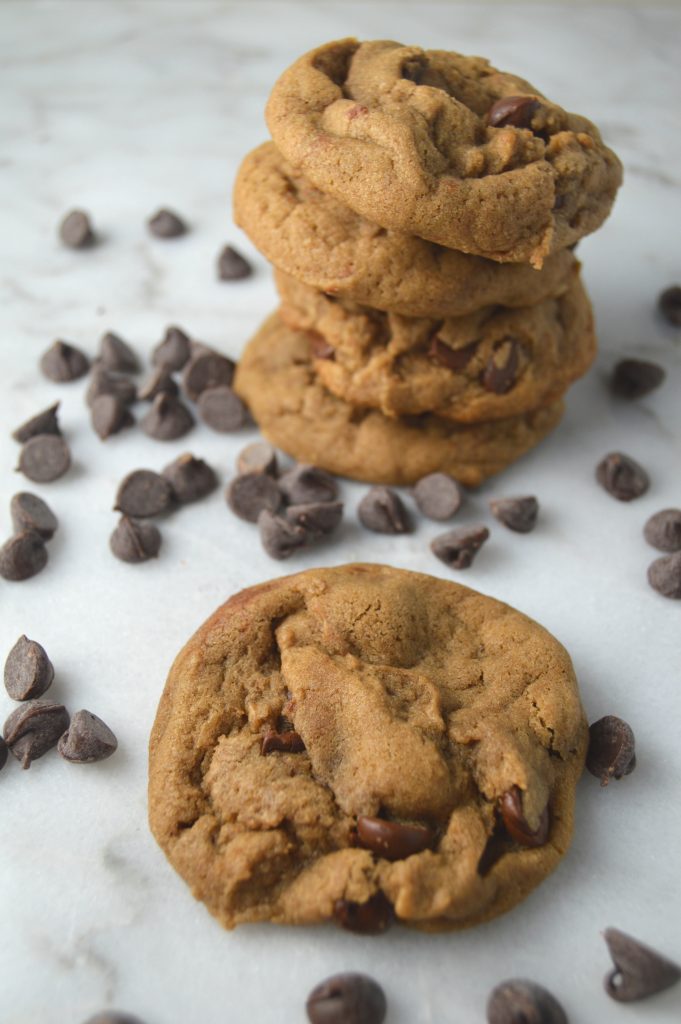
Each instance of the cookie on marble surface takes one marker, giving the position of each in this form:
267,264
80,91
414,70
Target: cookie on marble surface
489,365
419,141
324,243
366,736
276,379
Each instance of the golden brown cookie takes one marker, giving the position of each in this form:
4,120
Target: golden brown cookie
276,379
324,243
419,141
355,742
489,365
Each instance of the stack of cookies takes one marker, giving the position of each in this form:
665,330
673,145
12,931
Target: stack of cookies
421,209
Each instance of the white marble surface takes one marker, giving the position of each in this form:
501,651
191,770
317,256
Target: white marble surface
120,107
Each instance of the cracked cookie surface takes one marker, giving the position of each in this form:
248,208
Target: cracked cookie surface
413,140
420,707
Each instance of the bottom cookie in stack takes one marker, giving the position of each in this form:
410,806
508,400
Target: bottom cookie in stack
277,380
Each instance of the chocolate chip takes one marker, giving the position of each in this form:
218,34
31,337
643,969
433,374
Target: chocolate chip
63,362
391,839
284,742
319,346
347,999
517,111
22,556
173,351
622,477
305,483
28,670
3,753
383,511
515,823
519,514
29,512
519,1001
166,224
248,495
438,496
116,355
113,1017
458,548
370,918
45,422
222,410
167,419
279,537
108,415
158,382
75,230
611,753
34,728
258,457
663,530
104,382
664,575
455,359
144,493
639,971
135,541
44,458
669,304
87,739
633,378
232,266
207,370
501,369
318,518
190,478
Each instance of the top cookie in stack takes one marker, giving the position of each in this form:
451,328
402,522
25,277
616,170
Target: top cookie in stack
420,207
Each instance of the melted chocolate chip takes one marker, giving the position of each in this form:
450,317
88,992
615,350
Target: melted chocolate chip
319,346
611,753
501,369
370,918
282,742
455,359
516,111
515,823
391,839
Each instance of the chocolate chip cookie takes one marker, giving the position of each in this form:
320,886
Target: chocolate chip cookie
445,147
363,743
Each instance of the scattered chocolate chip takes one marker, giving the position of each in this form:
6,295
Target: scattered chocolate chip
29,512
669,304
519,1001
45,422
222,410
383,511
391,839
158,382
318,518
75,230
232,266
319,346
279,537
438,496
44,458
517,111
173,351
305,483
458,548
87,739
622,477
347,999
135,541
250,494
258,457
144,493
515,823
34,728
190,478
3,753
285,742
455,359
664,575
207,370
108,415
167,419
104,382
116,355
639,971
28,670
22,556
63,362
611,753
166,224
113,1017
501,369
519,514
633,378
370,918
663,530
